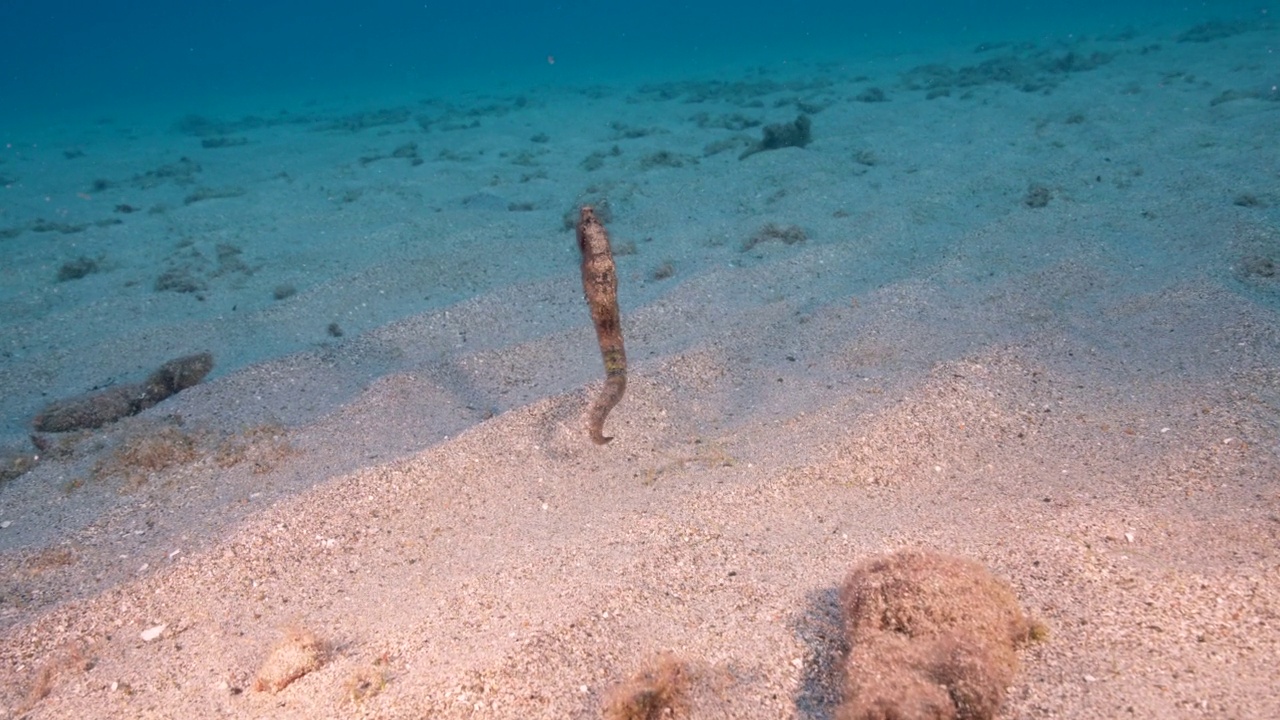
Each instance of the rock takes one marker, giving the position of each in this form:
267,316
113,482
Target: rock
95,409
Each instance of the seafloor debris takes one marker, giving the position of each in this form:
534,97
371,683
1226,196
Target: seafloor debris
797,133
95,409
298,653
930,636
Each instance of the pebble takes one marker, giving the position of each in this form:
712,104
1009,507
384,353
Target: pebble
152,633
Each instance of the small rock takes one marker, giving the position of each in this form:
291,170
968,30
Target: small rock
152,633
296,654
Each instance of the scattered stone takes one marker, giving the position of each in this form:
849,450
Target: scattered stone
665,269
209,193
1232,95
365,120
1258,266
298,653
788,235
16,463
660,690
865,158
734,121
595,160
82,266
872,95
408,151
95,409
930,636
183,172
1037,196
665,158
719,146
180,280
43,226
1213,30
797,133
213,143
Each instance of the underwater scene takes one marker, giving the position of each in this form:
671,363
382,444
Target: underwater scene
816,360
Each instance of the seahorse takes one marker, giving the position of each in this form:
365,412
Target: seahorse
600,285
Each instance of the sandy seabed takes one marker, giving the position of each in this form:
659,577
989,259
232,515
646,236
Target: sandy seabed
1018,305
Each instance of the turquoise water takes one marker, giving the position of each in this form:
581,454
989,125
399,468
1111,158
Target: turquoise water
239,176
66,57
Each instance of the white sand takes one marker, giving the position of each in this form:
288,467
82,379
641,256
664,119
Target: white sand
1083,396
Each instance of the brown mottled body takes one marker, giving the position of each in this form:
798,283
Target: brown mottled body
600,284
93,410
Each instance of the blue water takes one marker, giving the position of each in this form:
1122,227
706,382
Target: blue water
67,57
90,94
